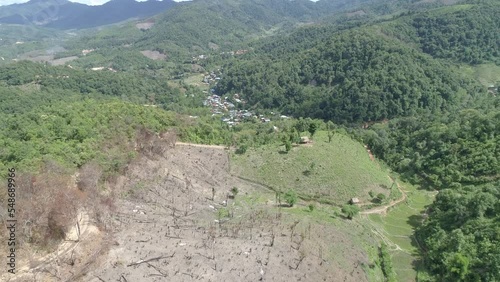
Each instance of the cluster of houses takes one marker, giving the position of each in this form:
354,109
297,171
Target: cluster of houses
237,52
212,77
234,117
218,104
226,108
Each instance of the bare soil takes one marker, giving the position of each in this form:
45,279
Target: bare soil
63,61
167,227
145,25
154,55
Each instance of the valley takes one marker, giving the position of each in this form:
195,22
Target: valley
259,140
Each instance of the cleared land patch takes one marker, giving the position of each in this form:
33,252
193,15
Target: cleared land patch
63,61
170,228
486,74
154,55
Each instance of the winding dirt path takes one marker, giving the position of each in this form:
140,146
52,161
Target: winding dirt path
200,145
383,209
377,210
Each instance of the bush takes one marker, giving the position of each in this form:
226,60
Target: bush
350,211
311,207
288,146
234,191
386,264
290,198
241,149
380,198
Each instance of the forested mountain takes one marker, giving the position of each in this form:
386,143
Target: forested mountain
205,26
368,73
386,72
461,238
198,27
349,77
68,15
464,33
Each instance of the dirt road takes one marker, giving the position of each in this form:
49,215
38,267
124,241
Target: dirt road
383,209
199,145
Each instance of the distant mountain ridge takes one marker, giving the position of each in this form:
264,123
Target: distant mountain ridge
63,14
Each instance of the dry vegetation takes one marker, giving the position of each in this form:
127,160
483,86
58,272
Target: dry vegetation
170,217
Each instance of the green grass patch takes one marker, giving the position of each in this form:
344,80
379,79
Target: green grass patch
325,172
196,80
486,74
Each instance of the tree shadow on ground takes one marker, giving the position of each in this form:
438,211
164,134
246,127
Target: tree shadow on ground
415,220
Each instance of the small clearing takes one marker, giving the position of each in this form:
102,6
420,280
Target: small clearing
145,26
383,209
154,55
63,61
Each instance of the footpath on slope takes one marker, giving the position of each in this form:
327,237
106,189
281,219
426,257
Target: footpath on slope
383,209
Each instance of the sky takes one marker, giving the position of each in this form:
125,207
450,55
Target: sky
88,2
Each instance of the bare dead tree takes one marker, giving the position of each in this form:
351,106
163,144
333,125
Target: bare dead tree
292,228
272,238
151,259
302,256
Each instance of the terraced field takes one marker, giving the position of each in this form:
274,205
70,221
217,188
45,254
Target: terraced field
396,230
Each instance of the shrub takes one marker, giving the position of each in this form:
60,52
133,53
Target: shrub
290,198
350,211
311,207
241,149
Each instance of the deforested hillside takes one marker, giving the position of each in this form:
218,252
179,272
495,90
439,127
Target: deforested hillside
261,140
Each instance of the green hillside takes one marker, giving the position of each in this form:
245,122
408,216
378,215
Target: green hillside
353,76
462,33
326,172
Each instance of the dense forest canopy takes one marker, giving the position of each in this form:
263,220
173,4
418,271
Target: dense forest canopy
452,150
461,238
463,33
349,77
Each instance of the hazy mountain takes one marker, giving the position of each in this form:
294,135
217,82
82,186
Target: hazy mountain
63,14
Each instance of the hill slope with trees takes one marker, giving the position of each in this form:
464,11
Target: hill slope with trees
353,76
